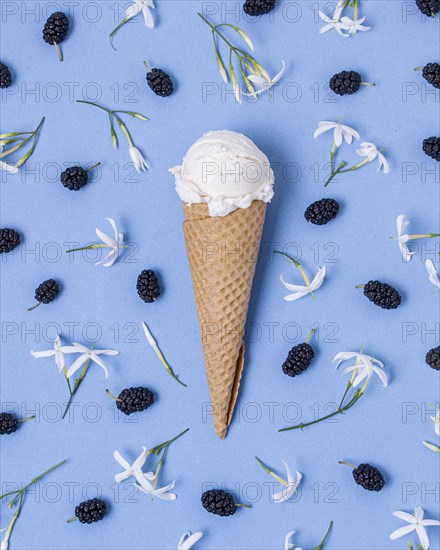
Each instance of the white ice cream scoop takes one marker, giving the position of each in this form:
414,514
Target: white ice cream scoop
226,170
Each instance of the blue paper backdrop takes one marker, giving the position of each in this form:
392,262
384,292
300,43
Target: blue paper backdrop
386,427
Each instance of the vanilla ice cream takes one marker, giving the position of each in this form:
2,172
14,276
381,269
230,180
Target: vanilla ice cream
225,170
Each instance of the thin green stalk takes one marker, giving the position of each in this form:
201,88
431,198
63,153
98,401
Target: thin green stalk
76,385
337,171
340,410
214,29
321,546
156,450
35,480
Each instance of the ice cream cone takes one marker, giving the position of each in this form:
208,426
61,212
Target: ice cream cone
222,253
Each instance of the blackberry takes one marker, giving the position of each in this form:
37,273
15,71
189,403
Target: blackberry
148,286
133,400
91,511
46,293
382,294
219,502
9,239
428,7
431,73
433,358
298,360
368,477
431,147
75,177
159,81
258,7
322,211
5,76
55,30
8,423
345,83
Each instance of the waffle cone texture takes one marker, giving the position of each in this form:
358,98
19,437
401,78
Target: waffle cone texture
222,253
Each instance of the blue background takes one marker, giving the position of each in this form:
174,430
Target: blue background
386,427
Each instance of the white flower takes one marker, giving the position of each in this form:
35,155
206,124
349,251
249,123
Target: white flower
144,7
138,160
364,367
370,151
287,544
341,131
436,420
10,168
57,352
114,243
263,83
135,470
403,238
87,354
299,291
162,493
333,23
290,486
416,523
354,26
5,542
433,275
187,540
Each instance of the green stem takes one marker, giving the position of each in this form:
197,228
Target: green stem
76,386
347,464
156,450
345,394
311,333
334,173
32,135
90,247
147,67
35,480
60,55
34,307
124,129
112,396
95,105
94,166
270,472
358,394
321,546
243,506
214,29
26,419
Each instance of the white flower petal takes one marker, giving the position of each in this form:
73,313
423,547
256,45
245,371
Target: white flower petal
318,279
294,288
296,296
77,364
99,362
120,460
46,353
283,495
148,17
383,377
410,518
430,522
187,540
423,536
140,461
402,531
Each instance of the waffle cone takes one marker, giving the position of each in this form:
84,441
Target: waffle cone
222,253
